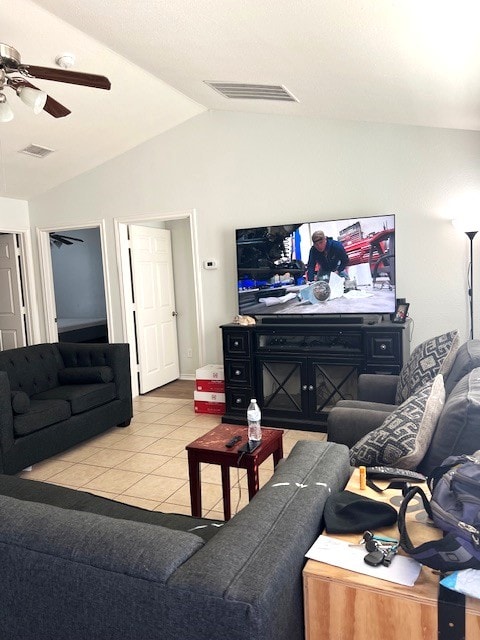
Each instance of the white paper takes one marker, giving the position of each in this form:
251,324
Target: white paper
339,553
337,285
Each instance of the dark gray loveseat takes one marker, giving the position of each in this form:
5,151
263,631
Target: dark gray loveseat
53,396
70,574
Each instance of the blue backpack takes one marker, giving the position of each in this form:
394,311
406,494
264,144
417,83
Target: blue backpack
455,509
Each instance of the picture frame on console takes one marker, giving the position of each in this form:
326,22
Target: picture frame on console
401,312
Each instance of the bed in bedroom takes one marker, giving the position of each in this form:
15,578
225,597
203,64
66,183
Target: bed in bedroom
82,329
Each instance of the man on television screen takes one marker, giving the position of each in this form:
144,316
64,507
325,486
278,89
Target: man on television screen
326,255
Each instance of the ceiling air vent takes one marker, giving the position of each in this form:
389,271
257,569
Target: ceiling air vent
36,151
241,91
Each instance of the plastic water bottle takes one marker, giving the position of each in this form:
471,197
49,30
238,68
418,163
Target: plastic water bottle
254,417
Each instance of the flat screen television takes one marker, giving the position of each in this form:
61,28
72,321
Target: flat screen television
352,273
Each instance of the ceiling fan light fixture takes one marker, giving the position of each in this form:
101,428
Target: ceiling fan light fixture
6,113
33,98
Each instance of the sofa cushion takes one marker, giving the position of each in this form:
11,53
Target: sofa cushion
32,369
430,358
458,429
403,438
85,375
20,402
42,413
467,358
81,397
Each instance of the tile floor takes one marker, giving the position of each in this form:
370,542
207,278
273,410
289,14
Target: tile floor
145,464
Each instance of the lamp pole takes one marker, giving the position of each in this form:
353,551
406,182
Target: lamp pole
471,235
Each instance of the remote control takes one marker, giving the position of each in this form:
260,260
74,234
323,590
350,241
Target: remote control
390,472
233,441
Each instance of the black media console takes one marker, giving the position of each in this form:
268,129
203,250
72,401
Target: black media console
298,370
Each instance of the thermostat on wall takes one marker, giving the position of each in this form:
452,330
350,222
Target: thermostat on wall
210,264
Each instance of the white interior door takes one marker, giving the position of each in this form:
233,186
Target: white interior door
154,299
12,311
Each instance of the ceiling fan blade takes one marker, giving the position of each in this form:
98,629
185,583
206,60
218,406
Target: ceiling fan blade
52,107
70,238
55,109
62,75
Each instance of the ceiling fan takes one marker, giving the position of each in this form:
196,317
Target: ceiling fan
17,76
58,239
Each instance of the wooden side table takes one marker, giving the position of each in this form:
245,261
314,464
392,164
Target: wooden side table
342,604
210,448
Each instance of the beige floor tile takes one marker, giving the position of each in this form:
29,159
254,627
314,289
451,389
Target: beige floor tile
176,419
211,495
174,468
214,515
144,418
143,462
102,494
166,446
134,501
187,410
77,454
156,430
160,410
188,434
205,420
178,402
106,439
166,507
108,457
45,469
114,481
133,443
155,488
77,475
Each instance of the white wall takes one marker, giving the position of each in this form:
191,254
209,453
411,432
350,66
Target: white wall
248,170
13,214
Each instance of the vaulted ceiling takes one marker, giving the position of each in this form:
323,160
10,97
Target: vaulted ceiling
413,62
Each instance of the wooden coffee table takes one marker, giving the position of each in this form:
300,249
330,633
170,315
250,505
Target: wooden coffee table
343,604
210,448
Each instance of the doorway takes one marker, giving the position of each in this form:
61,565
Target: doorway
75,283
18,316
187,285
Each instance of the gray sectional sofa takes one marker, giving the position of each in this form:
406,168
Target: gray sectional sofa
77,567
53,396
457,430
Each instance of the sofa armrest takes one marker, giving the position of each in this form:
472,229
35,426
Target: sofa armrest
377,388
116,356
6,416
347,426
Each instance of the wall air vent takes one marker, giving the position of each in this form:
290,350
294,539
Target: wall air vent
242,91
36,151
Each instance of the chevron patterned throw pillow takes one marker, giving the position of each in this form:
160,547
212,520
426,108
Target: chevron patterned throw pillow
403,438
430,358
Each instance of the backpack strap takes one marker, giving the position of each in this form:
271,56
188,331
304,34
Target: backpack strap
450,553
410,493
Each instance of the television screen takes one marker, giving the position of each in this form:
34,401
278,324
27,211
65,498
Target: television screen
326,267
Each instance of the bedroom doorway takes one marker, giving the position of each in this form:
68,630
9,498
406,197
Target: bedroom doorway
75,285
78,285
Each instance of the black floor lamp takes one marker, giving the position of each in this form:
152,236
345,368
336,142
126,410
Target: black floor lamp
471,230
